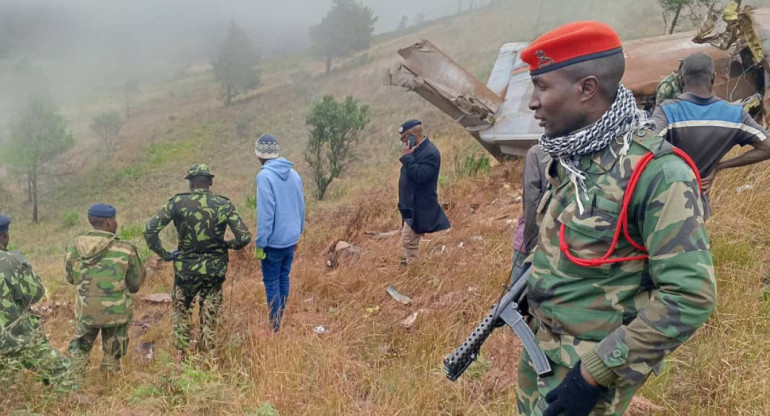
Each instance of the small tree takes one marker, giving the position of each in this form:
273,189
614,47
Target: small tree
695,10
130,91
107,126
334,128
38,134
235,65
403,24
346,29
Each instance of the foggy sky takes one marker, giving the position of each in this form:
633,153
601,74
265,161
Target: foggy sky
86,44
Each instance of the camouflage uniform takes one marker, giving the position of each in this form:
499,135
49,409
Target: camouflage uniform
620,319
200,218
670,87
105,270
22,341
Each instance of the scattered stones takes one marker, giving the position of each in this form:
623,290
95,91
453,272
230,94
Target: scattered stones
477,239
340,250
144,352
157,298
409,321
44,309
146,322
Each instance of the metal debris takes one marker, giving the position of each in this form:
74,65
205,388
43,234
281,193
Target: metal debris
397,296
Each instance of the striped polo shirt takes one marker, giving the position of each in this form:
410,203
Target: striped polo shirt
706,128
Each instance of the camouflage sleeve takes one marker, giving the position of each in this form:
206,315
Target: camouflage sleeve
670,217
69,264
136,273
240,231
27,287
154,227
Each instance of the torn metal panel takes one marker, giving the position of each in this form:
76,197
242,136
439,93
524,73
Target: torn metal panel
430,73
652,59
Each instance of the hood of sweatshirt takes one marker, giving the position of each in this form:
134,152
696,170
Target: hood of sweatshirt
92,246
281,167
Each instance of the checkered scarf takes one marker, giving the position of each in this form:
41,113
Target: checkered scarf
619,123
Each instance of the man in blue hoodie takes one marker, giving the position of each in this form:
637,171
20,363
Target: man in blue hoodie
280,221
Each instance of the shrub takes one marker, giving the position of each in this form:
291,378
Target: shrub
69,219
472,165
251,201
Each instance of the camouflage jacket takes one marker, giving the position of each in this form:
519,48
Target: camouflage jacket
106,270
200,218
20,288
622,319
668,88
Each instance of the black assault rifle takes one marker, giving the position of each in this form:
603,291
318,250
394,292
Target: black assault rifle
505,312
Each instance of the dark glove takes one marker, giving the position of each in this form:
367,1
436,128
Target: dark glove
171,256
573,397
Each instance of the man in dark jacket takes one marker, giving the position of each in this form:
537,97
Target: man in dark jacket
417,197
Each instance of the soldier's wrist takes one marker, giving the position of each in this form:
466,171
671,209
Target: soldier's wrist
600,372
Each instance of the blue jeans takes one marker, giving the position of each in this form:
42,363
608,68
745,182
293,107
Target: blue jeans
275,274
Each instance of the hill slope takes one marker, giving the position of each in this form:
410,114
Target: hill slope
368,362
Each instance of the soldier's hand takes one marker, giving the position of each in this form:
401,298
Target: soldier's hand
259,253
574,396
705,183
172,255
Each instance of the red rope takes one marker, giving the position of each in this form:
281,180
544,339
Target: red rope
623,218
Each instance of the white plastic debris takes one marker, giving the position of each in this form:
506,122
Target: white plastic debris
320,330
743,188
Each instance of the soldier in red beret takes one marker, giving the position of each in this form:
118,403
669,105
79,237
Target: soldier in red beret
607,308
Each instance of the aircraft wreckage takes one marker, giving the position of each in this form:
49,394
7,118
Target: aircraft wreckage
497,114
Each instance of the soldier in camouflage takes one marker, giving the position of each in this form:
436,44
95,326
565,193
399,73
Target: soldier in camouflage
669,87
606,326
22,341
105,270
200,261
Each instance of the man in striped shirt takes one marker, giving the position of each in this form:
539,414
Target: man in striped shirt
707,127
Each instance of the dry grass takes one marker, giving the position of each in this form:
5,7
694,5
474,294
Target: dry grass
368,363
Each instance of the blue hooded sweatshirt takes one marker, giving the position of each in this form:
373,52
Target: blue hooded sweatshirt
280,205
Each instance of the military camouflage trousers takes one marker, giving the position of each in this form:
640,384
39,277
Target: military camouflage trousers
48,364
531,391
208,290
114,345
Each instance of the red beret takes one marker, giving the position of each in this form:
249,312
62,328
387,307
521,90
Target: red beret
569,44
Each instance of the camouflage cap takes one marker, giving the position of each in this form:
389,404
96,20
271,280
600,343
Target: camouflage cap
198,169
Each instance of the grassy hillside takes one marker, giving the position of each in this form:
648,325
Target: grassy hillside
368,362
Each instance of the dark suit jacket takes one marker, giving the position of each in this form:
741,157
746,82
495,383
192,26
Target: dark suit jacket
417,197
